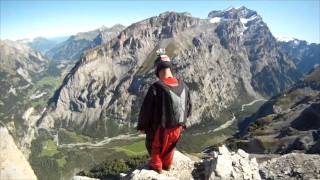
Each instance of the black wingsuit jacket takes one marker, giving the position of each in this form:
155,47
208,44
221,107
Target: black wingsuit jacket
156,110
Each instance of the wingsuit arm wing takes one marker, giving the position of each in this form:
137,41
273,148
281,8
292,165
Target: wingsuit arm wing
147,110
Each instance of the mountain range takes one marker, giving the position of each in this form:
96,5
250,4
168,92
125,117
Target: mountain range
74,46
225,63
42,44
90,86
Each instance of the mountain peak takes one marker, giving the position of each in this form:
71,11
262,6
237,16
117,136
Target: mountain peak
116,27
172,13
233,13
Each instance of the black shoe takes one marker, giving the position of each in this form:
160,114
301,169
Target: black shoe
167,168
156,170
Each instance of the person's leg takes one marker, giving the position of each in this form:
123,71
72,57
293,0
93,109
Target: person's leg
167,158
149,140
155,162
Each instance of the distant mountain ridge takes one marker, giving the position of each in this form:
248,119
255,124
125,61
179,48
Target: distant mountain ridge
42,44
21,59
305,55
74,46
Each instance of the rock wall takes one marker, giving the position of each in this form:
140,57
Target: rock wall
13,165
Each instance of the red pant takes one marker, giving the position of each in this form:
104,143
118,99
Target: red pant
170,136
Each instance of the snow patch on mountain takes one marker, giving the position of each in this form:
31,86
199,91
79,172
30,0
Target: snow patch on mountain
244,21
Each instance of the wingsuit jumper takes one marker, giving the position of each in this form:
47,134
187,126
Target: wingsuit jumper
163,114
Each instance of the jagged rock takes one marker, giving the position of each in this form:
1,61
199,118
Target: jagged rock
227,165
83,178
292,166
231,165
182,169
242,153
13,165
222,164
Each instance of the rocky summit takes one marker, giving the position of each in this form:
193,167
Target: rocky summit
225,164
228,59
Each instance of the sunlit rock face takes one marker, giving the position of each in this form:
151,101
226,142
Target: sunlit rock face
225,62
13,164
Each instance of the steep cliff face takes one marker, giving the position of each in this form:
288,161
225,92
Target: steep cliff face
76,45
13,165
224,61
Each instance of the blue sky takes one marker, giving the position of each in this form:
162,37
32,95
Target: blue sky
50,18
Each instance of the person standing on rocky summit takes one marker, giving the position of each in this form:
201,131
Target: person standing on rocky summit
163,114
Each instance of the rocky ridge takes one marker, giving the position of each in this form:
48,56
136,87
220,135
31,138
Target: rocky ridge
220,163
305,55
41,44
76,45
